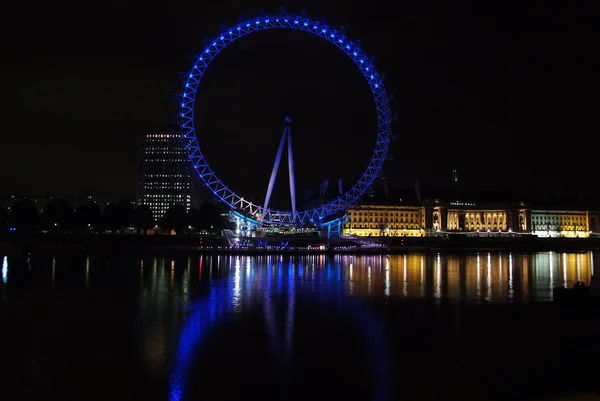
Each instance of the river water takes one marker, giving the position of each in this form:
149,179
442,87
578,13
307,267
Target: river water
188,327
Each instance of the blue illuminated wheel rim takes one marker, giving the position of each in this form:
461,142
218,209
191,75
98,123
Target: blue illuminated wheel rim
222,191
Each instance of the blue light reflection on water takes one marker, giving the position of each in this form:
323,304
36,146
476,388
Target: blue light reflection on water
5,269
221,303
4,276
203,316
364,319
279,275
505,279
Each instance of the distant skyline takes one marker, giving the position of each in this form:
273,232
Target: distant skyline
506,96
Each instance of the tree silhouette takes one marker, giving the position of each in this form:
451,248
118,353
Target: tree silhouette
175,219
194,218
3,218
23,215
143,219
88,215
118,215
58,214
126,212
210,217
112,217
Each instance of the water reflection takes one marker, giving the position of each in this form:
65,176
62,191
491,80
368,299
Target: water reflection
4,276
484,277
247,281
5,269
178,302
239,281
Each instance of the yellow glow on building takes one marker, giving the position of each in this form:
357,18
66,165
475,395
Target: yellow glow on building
467,217
560,223
474,220
376,221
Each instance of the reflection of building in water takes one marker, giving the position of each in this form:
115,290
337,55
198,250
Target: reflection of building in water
240,281
453,274
554,270
155,347
483,277
163,303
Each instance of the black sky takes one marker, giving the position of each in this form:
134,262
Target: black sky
507,94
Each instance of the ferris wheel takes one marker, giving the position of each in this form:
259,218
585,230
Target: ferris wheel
263,213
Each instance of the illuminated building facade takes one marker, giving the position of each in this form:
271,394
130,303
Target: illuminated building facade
563,223
469,217
375,220
164,172
436,217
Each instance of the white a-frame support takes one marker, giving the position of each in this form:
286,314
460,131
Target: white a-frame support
287,133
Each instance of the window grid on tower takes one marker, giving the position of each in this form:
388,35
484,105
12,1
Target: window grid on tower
164,172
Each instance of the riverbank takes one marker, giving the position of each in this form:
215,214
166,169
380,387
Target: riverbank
213,244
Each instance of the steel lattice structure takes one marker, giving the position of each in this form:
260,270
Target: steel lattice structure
350,48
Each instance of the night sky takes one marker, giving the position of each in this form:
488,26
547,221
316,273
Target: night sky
508,95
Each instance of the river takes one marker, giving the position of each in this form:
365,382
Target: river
188,327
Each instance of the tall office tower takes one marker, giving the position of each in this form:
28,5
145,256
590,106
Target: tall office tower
164,171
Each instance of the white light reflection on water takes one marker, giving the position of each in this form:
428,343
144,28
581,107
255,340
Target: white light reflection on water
289,325
186,276
387,276
351,280
4,277
511,290
404,276
369,282
172,277
422,277
551,268
478,276
564,267
87,271
237,289
488,296
5,269
500,269
437,292
53,271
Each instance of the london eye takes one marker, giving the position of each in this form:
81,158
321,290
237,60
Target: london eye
263,213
